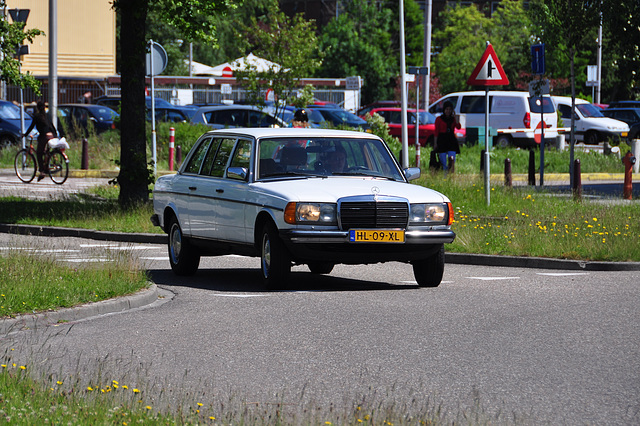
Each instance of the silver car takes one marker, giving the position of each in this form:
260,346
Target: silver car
301,196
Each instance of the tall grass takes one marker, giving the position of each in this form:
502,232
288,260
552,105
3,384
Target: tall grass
528,221
33,281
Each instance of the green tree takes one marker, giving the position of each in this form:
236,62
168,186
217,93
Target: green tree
460,42
291,45
12,35
511,34
358,42
413,31
621,21
184,14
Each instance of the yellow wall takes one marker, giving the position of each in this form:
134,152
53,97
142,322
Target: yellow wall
86,37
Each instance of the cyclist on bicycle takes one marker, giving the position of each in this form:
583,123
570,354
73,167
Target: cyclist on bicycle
46,130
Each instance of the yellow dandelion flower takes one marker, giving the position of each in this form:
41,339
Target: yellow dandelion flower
199,404
125,387
135,390
115,382
59,382
148,407
211,418
3,365
89,388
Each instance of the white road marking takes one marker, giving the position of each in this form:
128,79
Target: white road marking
493,278
561,274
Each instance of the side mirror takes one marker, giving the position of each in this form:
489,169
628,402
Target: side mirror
239,173
412,173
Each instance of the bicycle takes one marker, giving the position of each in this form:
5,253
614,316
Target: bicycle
26,165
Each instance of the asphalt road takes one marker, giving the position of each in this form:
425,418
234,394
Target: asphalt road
548,346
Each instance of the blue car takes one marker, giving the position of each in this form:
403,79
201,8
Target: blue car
10,130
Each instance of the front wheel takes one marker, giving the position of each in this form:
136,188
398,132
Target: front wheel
428,272
183,258
58,167
274,259
25,165
591,138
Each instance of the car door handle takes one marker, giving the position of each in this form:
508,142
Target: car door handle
193,188
219,190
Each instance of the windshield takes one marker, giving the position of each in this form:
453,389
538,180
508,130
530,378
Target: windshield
280,157
104,113
589,110
426,117
10,111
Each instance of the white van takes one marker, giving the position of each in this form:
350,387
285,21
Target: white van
515,115
591,126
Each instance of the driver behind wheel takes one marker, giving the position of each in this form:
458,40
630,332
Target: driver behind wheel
336,160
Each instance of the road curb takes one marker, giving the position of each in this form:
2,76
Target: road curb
53,231
76,313
454,258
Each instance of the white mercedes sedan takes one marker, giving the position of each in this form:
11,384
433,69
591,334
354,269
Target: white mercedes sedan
301,196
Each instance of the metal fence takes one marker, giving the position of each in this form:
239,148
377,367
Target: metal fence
70,91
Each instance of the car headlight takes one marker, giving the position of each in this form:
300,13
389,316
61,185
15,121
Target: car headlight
310,213
431,213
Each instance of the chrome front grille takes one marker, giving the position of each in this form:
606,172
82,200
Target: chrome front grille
376,212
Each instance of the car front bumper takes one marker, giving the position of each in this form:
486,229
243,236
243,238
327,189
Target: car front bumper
334,246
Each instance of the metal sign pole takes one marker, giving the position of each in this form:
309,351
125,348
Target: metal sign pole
153,114
487,180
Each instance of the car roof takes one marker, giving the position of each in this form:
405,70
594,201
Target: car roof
491,93
397,109
291,132
223,107
564,99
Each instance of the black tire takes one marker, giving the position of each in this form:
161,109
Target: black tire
25,165
320,267
591,138
6,142
428,272
503,141
275,263
183,258
58,167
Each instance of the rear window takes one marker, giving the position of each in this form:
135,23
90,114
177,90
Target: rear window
544,105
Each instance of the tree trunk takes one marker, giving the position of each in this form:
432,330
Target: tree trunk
134,176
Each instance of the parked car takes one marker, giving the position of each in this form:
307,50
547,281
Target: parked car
591,126
628,115
379,104
319,115
426,124
516,112
230,116
10,127
634,131
113,102
79,117
268,193
624,104
168,115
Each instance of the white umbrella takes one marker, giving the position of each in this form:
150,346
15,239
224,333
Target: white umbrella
255,62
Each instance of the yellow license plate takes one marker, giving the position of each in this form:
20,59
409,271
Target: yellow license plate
376,236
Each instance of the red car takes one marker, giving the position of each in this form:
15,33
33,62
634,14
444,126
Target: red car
392,116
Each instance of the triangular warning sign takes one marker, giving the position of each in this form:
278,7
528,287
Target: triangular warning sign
488,72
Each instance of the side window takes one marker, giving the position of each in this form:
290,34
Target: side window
198,157
222,157
472,104
211,155
438,107
242,156
565,111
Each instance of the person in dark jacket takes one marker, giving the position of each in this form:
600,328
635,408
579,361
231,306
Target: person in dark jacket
445,142
46,130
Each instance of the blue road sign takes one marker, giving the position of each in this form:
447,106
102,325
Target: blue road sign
537,59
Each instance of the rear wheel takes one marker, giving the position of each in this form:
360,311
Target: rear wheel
428,272
183,258
503,141
320,267
58,167
25,165
274,259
